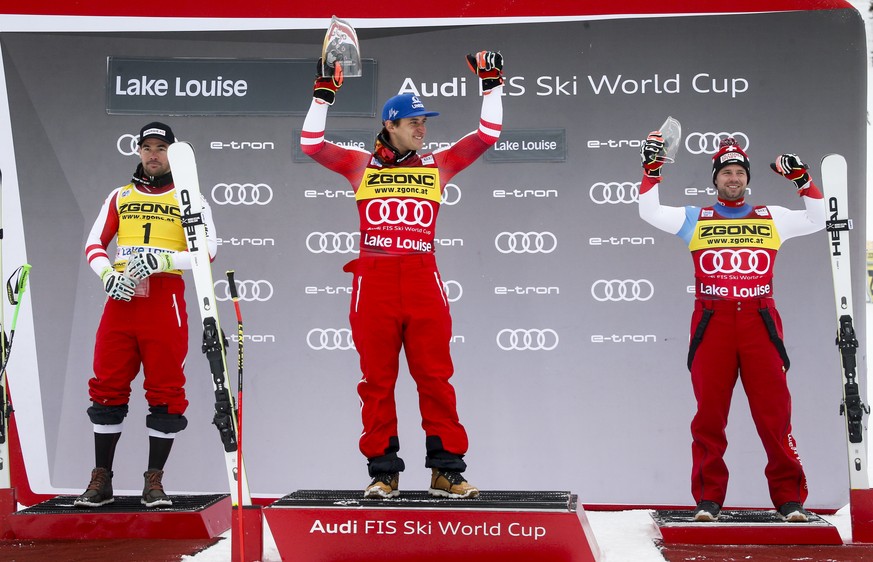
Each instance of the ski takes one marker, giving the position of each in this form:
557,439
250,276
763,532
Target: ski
835,186
185,178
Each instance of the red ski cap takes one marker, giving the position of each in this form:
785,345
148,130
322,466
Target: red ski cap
729,152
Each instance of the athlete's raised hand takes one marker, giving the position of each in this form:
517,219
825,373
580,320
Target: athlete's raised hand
488,65
328,79
651,154
791,167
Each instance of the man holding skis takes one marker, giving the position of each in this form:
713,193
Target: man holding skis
736,330
144,322
398,299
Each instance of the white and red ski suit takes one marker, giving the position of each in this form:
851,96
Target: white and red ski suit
736,330
151,330
398,299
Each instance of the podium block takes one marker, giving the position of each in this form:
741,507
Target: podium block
505,526
251,536
190,517
743,526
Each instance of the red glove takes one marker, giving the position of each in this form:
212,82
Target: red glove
488,65
328,79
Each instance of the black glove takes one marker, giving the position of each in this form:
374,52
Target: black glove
651,153
791,167
488,65
328,79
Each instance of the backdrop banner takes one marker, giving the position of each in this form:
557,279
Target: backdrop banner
571,314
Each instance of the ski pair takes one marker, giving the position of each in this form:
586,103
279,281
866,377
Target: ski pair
226,418
835,186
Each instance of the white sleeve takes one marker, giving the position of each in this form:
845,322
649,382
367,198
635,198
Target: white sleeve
102,232
668,219
491,116
182,260
312,135
791,223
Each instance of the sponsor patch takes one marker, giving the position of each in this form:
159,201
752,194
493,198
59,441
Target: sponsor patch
728,156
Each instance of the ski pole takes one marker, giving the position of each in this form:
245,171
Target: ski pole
239,408
14,296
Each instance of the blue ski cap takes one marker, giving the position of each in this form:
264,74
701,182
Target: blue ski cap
404,105
156,130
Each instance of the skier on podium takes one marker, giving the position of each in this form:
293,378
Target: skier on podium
736,330
398,299
144,322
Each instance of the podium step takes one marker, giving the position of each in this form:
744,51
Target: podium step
506,526
743,526
190,517
419,498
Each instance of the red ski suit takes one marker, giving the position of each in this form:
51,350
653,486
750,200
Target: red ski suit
398,299
151,330
736,331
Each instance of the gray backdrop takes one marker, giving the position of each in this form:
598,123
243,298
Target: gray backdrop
597,399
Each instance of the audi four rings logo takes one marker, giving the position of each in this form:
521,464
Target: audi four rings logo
330,339
242,194
707,143
332,242
614,192
526,242
451,195
249,290
743,261
527,340
410,212
454,291
127,144
622,290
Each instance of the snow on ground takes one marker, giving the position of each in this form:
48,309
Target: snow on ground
622,536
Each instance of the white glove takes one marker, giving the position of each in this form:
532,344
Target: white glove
117,285
142,264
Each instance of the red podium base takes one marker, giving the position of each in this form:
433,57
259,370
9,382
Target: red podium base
190,517
8,505
861,511
316,525
252,532
740,527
